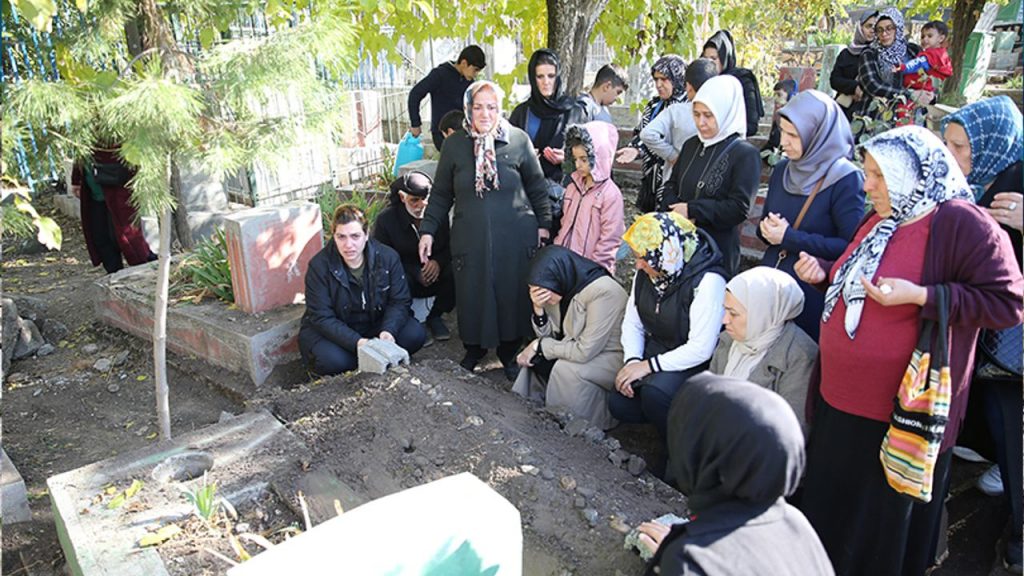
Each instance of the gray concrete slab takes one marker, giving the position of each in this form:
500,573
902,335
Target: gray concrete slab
14,497
249,452
254,345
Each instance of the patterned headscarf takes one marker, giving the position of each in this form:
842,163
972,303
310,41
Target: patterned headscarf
920,173
859,41
666,241
895,53
674,68
486,161
996,133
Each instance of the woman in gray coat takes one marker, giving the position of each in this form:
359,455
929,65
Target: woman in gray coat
490,174
761,343
577,317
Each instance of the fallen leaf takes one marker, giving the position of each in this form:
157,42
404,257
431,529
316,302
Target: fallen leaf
141,377
117,502
162,535
111,490
151,435
134,488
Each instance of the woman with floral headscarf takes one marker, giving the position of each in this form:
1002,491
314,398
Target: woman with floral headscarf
924,231
672,317
987,140
718,171
888,50
669,74
490,174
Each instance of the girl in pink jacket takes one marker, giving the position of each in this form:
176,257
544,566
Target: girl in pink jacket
592,210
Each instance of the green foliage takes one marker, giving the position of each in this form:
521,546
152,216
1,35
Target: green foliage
19,219
841,36
772,156
204,499
880,117
1015,83
369,202
205,270
329,201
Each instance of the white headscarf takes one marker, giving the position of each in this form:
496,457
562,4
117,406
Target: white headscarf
771,298
723,95
920,173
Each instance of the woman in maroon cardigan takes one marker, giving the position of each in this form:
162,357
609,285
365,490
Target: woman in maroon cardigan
924,231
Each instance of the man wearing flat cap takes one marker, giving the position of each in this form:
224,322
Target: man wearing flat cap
398,226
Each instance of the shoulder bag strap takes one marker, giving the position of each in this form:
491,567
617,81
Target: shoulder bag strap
800,218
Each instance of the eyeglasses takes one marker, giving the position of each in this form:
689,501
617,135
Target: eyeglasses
885,29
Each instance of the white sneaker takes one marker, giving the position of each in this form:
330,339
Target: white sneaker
965,453
991,483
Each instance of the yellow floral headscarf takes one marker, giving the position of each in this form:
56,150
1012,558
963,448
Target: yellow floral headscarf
666,241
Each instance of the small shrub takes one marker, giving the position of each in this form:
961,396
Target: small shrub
206,270
329,200
204,499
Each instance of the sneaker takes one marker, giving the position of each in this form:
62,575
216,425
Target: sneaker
991,482
965,453
437,328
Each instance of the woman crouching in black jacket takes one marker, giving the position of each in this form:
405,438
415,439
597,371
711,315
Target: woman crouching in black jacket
355,290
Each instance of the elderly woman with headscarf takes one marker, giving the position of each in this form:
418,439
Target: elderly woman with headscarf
843,79
721,49
545,115
672,317
490,175
924,231
577,317
816,184
987,140
669,74
718,171
736,451
888,50
760,342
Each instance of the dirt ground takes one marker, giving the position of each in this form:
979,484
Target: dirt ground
377,435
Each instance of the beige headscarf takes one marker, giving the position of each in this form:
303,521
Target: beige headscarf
771,298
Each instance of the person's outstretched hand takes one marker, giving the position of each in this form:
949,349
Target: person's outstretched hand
808,269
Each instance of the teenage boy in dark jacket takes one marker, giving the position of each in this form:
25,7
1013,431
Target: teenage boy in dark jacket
355,290
446,86
398,226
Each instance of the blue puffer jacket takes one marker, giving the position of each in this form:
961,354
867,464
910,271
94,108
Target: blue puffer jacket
342,311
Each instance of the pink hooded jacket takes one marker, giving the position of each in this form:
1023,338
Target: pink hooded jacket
593,220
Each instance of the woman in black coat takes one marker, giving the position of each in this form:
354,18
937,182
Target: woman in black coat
843,79
721,49
545,116
355,291
890,48
490,175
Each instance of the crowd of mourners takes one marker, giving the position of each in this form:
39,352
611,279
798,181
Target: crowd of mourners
775,388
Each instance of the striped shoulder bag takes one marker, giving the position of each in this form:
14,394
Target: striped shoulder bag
921,409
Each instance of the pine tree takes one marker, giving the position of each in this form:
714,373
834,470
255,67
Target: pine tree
126,81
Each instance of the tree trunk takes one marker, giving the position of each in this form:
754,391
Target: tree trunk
965,17
181,225
163,409
570,23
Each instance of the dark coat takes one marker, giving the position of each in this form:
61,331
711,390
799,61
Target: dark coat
446,87
335,305
826,229
394,227
844,80
493,236
551,133
721,205
751,97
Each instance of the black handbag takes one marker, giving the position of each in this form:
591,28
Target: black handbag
111,174
1000,354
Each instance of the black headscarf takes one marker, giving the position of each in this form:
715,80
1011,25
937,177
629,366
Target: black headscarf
414,183
557,103
564,272
730,440
722,41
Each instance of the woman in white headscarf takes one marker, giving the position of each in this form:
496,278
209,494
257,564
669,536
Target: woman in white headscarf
718,171
761,343
924,232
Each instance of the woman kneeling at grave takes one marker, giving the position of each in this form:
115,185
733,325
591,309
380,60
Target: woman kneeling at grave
355,291
577,316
